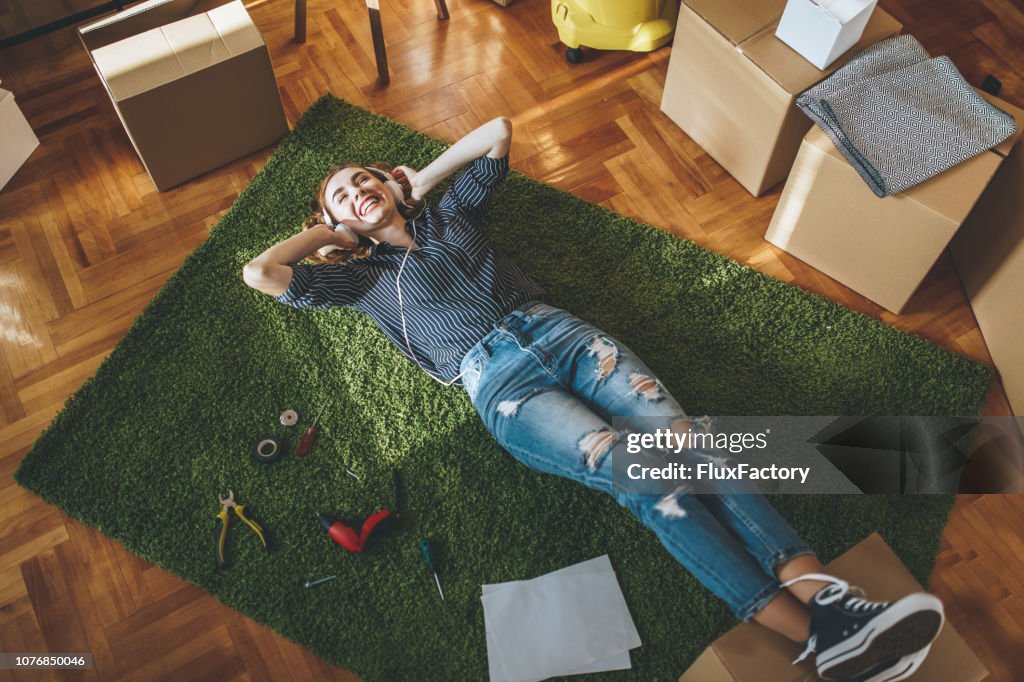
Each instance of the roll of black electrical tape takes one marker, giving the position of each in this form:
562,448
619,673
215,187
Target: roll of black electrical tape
267,449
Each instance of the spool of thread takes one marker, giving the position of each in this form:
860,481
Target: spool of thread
267,449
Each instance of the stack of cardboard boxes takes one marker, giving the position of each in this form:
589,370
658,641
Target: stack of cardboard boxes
731,86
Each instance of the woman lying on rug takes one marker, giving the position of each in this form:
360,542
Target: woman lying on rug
548,384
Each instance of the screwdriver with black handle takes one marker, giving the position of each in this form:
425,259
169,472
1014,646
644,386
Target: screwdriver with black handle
307,437
428,554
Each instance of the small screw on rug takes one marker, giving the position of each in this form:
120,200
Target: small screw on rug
314,583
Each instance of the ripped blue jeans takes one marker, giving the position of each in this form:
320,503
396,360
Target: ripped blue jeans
548,386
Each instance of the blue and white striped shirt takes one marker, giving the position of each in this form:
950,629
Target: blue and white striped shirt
455,285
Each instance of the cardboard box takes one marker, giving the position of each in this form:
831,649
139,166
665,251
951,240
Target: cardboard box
17,141
753,653
731,85
989,254
880,247
191,81
821,30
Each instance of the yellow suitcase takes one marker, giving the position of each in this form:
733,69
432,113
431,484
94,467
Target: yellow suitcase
637,25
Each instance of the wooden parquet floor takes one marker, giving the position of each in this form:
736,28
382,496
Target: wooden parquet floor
86,241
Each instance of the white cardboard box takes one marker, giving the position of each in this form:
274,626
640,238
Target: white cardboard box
17,141
821,30
191,81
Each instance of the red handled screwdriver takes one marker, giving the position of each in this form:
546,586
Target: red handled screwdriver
307,437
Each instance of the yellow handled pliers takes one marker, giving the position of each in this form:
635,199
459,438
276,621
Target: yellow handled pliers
221,533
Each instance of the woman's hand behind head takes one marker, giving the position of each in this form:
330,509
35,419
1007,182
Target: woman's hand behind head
344,237
341,240
407,178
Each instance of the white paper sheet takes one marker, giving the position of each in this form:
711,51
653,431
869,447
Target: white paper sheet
567,622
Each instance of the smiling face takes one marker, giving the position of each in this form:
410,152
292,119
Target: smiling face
359,198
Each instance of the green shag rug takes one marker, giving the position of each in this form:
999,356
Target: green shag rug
144,447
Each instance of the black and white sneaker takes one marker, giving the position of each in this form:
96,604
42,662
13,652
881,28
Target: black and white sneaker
852,636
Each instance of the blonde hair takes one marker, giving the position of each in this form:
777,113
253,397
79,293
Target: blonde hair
316,205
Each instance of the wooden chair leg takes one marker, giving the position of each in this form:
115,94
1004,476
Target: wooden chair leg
379,49
300,21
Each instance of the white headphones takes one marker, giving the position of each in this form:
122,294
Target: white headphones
388,181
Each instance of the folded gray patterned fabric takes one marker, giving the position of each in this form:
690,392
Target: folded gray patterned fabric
901,117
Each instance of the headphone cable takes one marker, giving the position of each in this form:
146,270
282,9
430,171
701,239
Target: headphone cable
401,312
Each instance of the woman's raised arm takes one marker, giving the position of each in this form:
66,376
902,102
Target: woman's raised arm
271,271
491,139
